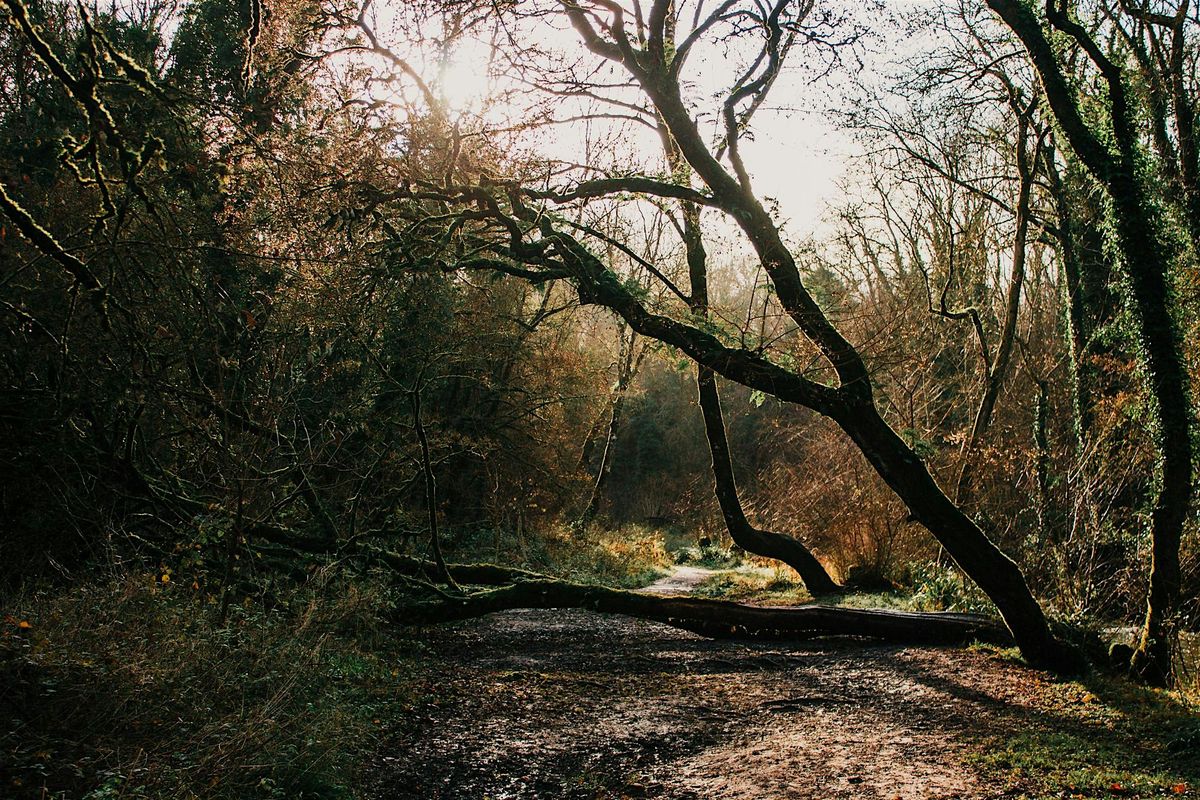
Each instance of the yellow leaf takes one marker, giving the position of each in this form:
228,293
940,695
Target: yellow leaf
165,578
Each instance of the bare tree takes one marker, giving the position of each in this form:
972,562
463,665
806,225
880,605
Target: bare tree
535,244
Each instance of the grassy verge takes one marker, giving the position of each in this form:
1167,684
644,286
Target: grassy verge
777,587
1109,738
926,588
136,689
624,558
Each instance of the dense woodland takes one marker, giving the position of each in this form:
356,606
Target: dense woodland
455,306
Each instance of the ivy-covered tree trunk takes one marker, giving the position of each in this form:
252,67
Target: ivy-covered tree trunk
1139,243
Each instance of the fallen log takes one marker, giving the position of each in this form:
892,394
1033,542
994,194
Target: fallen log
716,618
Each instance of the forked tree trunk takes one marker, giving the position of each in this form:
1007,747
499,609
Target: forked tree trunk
855,411
851,403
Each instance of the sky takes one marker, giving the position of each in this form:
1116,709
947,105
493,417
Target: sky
799,155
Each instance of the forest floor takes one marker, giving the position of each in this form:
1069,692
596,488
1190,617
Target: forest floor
572,704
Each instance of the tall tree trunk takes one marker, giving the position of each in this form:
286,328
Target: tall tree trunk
1069,261
1142,252
1084,519
1167,379
629,360
997,370
435,541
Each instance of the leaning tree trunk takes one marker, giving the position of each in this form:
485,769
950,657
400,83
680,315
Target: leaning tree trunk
851,402
767,544
854,409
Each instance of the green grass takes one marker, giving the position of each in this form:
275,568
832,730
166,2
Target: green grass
135,689
709,556
1105,738
624,558
780,587
927,588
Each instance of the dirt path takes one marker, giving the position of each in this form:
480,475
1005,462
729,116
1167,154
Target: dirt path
571,704
680,580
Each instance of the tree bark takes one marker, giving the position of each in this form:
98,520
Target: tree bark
850,404
767,544
856,413
1142,252
997,370
716,618
628,363
430,488
1076,320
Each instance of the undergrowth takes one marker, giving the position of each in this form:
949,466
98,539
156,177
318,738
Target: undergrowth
710,555
627,557
924,588
136,689
779,587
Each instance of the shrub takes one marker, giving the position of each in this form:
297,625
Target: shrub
134,689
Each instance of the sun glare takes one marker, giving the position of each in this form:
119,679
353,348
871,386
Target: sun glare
463,82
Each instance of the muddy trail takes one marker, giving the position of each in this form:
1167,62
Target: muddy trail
572,704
